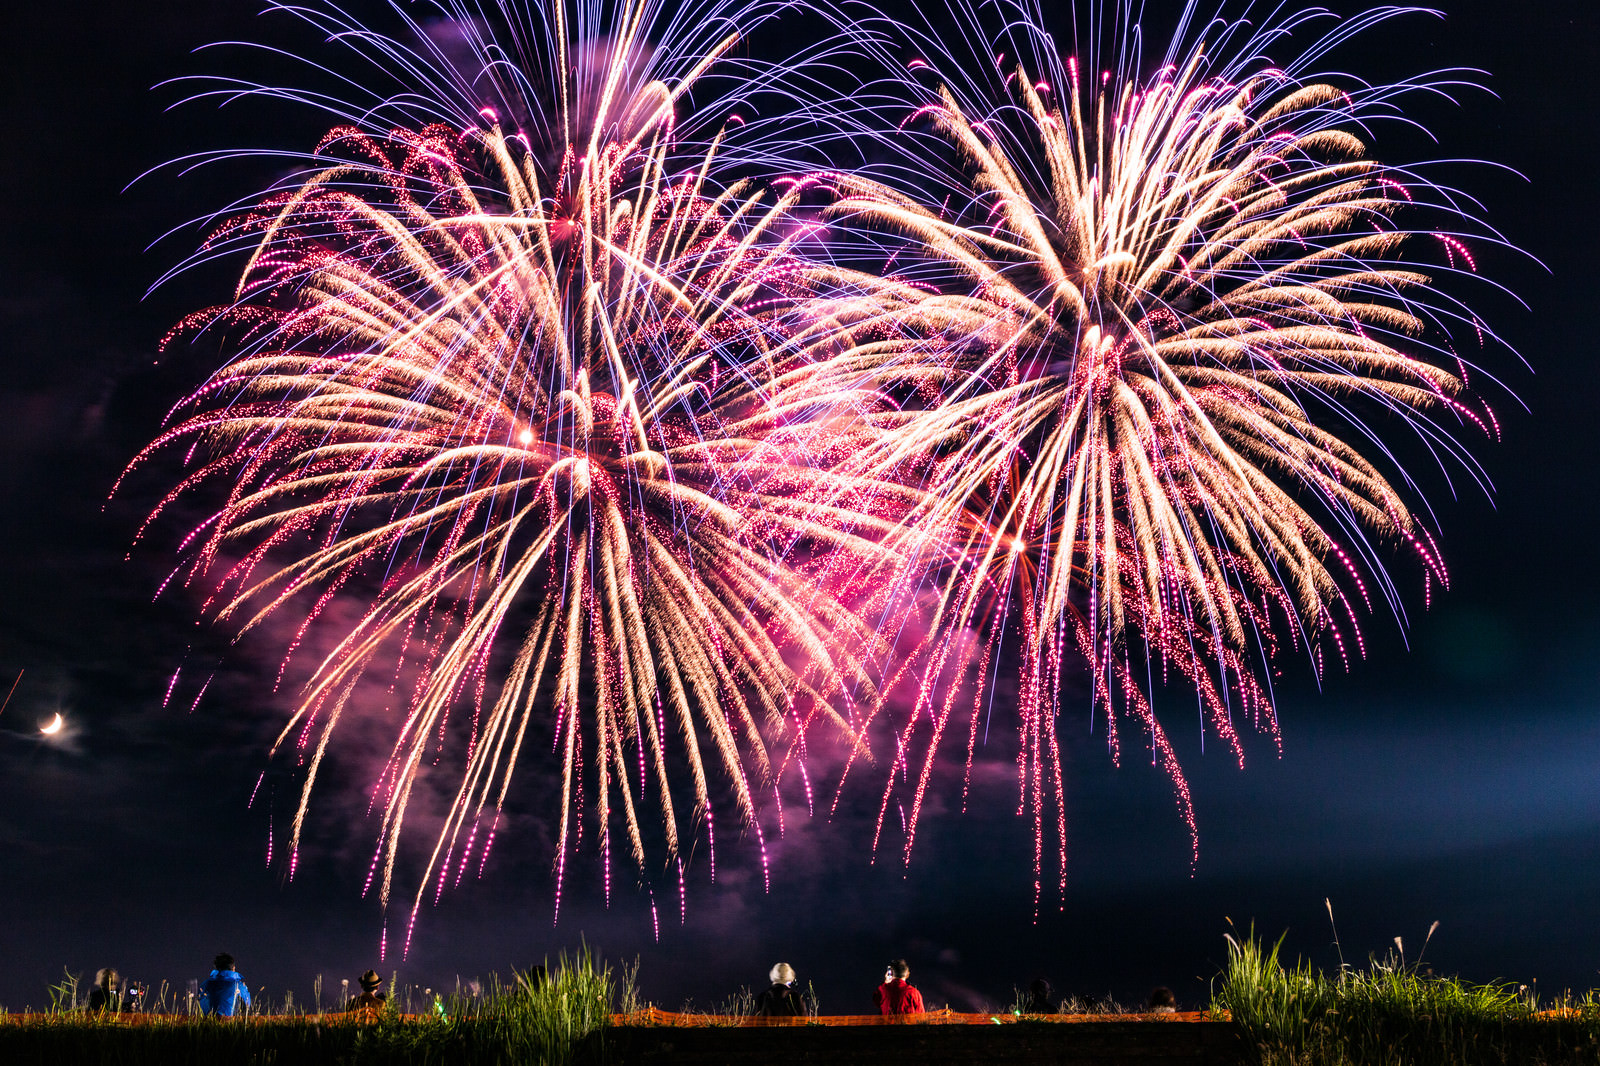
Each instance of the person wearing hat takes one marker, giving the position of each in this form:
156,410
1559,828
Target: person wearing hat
370,998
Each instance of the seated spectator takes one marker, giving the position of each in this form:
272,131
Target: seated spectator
781,1000
224,990
1039,1001
104,995
897,995
370,998
1162,1001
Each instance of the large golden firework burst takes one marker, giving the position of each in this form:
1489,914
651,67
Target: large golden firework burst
523,406
1178,311
551,424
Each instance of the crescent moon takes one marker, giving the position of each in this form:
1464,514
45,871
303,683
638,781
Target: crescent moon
54,726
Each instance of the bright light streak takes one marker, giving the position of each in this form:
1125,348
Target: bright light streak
1119,408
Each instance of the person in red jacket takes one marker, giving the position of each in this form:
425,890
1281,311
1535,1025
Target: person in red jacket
897,995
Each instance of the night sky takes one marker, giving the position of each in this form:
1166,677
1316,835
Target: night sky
1451,776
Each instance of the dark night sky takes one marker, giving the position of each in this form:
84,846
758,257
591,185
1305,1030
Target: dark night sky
1450,776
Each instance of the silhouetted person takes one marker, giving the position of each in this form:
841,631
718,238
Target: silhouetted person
1162,1001
1039,1001
781,1000
897,995
106,995
370,998
224,990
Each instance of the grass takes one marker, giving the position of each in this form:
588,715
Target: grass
1022,998
1395,1013
1392,1012
536,1019
741,1005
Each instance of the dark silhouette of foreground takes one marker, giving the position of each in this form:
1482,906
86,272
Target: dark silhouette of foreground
339,1040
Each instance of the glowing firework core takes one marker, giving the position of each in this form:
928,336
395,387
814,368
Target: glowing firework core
567,438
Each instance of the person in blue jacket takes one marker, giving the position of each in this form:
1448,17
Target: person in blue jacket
224,989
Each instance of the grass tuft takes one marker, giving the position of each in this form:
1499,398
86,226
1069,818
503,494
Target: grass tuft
553,1018
1395,1013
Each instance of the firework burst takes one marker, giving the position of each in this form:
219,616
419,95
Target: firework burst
613,454
517,395
1178,309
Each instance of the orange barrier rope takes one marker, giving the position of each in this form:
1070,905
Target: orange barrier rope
125,1018
650,1016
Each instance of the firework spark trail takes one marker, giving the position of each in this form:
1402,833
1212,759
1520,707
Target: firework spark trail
481,383
1171,308
608,438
